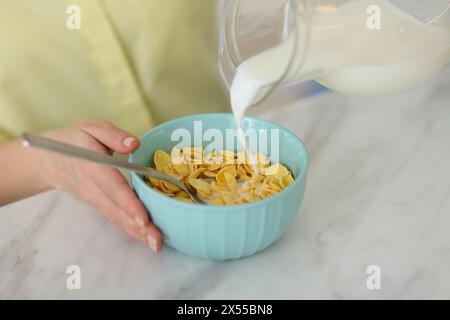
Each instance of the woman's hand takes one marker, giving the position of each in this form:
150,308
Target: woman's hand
101,187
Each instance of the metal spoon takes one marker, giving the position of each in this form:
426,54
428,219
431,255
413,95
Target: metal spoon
35,141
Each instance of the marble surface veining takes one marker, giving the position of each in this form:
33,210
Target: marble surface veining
378,194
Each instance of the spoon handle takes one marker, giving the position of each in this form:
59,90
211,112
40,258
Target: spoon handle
35,141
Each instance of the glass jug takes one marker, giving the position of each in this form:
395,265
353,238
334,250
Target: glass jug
361,47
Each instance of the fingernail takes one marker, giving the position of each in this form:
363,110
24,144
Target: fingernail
139,221
127,142
152,243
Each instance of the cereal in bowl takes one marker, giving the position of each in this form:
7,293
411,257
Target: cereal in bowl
220,177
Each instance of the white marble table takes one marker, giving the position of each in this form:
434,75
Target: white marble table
378,194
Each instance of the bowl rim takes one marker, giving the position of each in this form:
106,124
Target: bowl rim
136,178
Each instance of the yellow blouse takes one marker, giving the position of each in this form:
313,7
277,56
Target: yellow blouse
135,63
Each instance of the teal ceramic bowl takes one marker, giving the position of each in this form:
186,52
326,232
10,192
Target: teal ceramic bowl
221,232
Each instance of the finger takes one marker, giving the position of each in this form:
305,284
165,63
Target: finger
153,237
149,235
117,189
115,214
119,218
112,137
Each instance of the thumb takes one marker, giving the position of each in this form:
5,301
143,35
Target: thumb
110,136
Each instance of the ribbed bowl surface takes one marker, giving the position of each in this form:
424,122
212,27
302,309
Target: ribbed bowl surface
222,232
